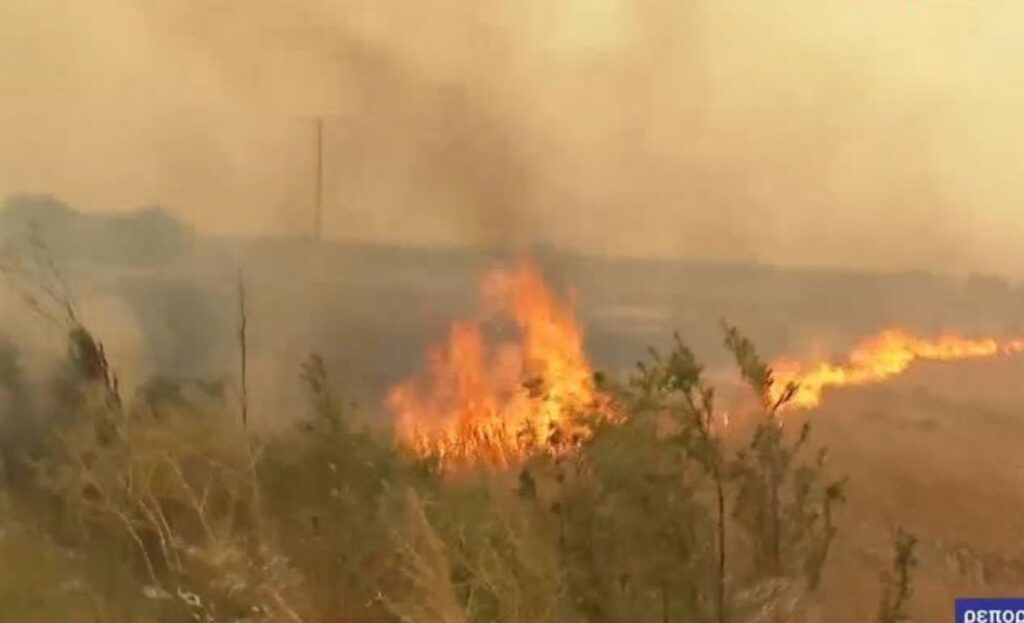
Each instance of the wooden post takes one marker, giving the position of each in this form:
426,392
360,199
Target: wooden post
243,344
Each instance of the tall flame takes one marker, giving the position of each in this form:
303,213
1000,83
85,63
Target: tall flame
879,358
497,403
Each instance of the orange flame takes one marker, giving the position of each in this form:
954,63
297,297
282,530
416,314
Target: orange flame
879,358
496,405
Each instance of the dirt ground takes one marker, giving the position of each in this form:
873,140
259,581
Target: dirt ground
940,452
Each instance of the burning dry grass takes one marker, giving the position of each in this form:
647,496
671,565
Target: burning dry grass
620,522
880,358
497,402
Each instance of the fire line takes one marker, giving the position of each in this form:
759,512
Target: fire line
879,358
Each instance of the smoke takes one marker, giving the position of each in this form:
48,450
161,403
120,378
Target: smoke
797,132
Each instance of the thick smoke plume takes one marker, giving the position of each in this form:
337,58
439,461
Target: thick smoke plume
798,132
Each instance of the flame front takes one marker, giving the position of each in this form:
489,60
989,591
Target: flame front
497,403
879,358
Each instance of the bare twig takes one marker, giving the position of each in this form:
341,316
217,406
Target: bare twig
34,275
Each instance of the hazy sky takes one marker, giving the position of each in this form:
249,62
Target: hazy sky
881,133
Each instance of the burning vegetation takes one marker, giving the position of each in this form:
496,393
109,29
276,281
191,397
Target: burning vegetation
516,380
880,358
633,505
496,401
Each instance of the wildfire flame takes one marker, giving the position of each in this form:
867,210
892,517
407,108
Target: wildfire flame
497,403
879,358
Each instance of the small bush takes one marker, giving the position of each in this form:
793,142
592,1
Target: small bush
163,507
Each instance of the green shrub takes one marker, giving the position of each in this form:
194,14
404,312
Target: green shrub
165,508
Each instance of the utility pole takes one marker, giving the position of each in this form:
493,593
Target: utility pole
243,348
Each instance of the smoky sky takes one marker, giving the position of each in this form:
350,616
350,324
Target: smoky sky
847,133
